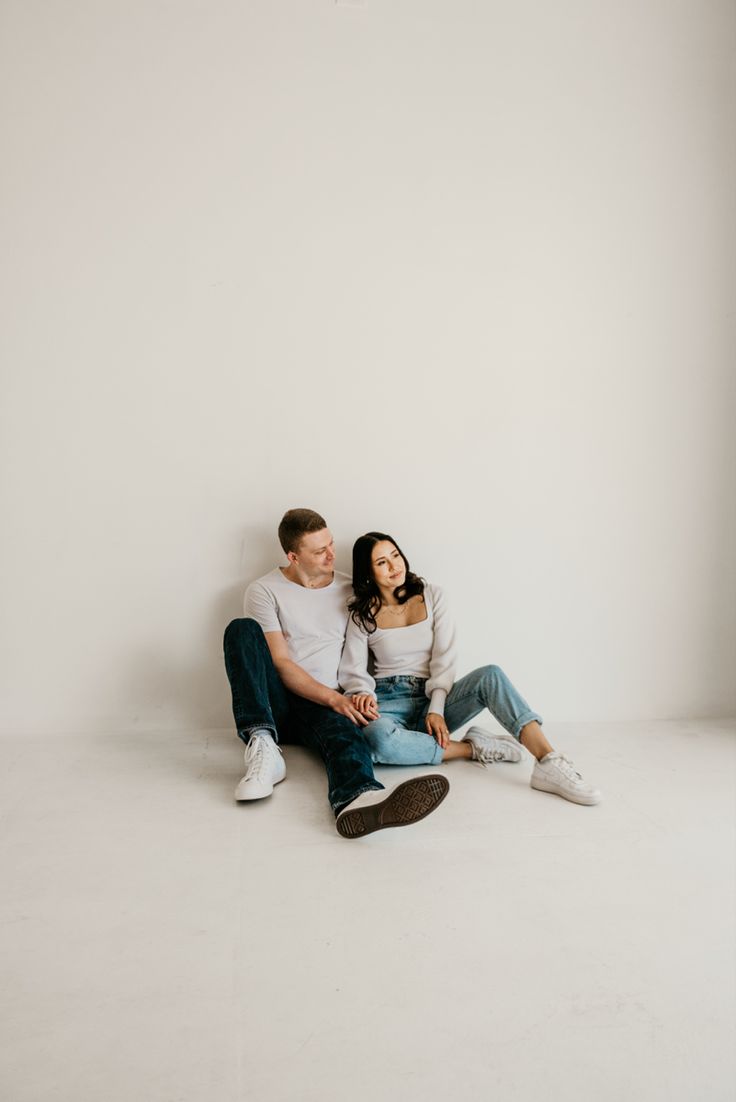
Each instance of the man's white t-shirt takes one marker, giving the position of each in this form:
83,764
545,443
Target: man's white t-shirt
313,621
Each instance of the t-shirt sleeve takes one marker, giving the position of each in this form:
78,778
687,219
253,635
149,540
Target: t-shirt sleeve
260,605
443,658
353,676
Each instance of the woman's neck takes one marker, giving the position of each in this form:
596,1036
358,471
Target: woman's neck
387,599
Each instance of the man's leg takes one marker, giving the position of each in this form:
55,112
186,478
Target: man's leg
359,801
341,746
259,697
260,707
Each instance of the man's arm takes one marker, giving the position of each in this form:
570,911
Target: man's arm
298,681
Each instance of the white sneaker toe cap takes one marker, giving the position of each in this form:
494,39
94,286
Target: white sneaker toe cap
250,789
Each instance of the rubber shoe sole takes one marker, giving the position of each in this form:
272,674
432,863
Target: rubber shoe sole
409,802
252,790
586,799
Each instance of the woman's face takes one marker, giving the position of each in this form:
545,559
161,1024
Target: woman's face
388,566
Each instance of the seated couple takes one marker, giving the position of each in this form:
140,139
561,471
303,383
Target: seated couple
298,665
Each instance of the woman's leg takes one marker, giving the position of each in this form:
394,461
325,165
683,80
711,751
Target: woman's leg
457,750
398,736
393,744
489,687
532,739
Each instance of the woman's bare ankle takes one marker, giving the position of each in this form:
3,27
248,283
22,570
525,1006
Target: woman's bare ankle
532,739
456,750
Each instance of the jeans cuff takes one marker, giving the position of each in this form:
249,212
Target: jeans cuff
439,753
244,733
375,787
521,722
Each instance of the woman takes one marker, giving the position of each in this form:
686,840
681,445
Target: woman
401,625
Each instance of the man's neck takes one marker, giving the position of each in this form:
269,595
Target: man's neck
299,577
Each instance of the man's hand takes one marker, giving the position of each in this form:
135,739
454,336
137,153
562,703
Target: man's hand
344,706
437,727
366,704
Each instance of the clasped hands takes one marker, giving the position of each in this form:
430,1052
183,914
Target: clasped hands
363,707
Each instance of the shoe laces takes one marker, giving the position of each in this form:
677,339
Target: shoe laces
487,755
257,753
566,766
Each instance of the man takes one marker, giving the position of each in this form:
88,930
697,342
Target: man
282,661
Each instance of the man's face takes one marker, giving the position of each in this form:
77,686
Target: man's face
315,554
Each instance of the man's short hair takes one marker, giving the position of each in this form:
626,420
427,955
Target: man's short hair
297,523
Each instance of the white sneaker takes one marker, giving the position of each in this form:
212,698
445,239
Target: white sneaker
264,767
407,803
486,748
556,773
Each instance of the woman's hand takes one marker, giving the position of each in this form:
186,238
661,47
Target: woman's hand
437,727
344,706
366,704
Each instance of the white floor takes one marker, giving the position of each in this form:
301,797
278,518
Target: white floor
162,944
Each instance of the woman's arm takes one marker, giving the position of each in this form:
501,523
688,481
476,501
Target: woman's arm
441,665
352,674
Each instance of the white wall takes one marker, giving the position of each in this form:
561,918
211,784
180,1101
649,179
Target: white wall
459,270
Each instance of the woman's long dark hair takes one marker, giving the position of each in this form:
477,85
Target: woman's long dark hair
367,600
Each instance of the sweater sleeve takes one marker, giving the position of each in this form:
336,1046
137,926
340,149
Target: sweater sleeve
353,676
442,660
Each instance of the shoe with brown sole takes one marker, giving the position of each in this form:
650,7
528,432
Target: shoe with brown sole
407,803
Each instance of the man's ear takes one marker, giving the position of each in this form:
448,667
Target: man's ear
291,557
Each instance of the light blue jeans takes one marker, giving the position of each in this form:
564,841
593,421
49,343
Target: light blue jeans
399,737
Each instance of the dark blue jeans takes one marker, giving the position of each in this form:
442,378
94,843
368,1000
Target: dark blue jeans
260,699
